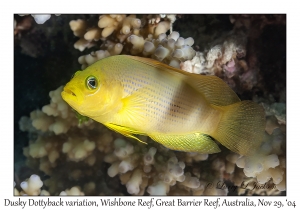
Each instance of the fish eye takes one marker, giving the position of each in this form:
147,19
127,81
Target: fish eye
91,82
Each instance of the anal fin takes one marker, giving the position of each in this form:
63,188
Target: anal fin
193,142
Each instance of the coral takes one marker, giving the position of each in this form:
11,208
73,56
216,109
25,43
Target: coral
170,49
150,169
224,57
56,117
31,186
73,191
159,188
123,34
275,110
251,187
268,162
265,169
137,165
109,23
41,19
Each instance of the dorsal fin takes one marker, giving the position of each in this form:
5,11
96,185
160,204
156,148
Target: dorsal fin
215,90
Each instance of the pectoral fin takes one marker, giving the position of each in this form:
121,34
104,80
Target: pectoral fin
128,132
193,142
133,107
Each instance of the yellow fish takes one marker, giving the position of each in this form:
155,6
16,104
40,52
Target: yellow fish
182,111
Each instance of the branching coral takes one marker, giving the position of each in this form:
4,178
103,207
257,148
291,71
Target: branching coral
269,162
265,169
149,169
143,168
72,191
123,34
33,185
139,167
225,58
56,116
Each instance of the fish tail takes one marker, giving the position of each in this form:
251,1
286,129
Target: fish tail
242,127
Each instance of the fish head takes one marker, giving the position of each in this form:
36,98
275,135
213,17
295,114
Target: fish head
83,93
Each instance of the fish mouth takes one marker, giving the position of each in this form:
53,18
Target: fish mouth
72,95
69,95
68,91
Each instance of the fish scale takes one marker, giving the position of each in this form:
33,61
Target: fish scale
169,102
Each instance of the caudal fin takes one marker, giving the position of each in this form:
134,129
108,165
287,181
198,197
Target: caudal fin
241,128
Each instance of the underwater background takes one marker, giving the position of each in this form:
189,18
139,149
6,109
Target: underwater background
247,51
